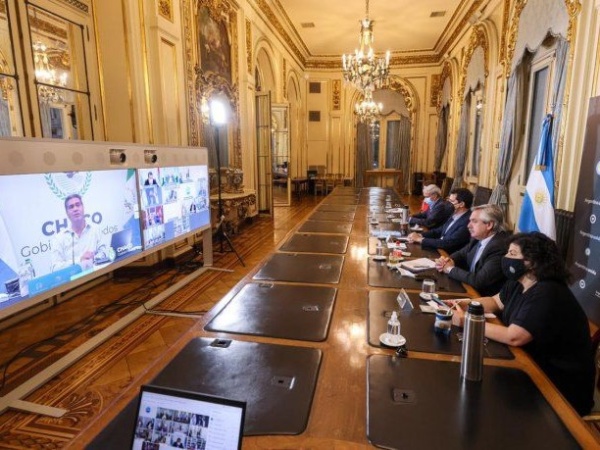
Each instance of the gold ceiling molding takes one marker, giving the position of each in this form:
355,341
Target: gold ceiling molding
464,23
165,9
478,39
77,5
572,6
249,54
395,61
276,25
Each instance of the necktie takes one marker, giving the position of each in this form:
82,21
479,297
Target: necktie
477,255
450,223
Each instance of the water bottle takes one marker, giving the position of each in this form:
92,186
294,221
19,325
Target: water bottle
26,273
471,365
393,329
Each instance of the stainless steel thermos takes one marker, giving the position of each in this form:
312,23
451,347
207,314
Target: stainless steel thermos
471,365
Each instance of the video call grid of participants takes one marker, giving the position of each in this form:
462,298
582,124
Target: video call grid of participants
174,428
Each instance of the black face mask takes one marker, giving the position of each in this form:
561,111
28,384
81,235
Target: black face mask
513,269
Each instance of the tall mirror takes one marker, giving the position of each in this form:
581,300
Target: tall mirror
280,157
61,79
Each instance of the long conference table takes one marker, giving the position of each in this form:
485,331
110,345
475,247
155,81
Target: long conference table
298,339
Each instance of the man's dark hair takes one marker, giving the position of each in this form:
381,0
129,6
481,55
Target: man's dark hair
72,196
543,255
463,195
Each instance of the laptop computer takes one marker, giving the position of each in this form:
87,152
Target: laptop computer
121,242
171,418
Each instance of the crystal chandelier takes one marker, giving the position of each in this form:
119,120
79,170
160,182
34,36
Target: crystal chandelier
46,75
368,111
363,69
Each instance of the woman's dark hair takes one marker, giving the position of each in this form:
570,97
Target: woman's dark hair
543,255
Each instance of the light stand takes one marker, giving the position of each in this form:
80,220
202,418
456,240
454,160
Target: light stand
218,118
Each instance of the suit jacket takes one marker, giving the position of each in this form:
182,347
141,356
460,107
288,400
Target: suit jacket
451,240
487,277
435,216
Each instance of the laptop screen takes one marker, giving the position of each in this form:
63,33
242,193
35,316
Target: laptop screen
170,419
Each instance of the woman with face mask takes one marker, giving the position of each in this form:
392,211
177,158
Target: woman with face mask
539,313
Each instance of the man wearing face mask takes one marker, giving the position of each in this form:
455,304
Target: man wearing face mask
539,312
438,212
453,234
478,263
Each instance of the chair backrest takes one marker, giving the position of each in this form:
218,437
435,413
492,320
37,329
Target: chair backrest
481,196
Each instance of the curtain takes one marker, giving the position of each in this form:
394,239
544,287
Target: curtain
4,118
558,89
404,154
363,153
461,144
507,142
441,139
46,120
392,152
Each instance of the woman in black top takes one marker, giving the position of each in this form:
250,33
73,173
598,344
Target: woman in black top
540,313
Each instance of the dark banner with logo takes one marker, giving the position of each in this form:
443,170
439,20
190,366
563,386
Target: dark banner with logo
585,260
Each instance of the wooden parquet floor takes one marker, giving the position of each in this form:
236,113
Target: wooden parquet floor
95,388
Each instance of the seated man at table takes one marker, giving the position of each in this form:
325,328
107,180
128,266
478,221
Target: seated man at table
453,234
539,312
439,209
478,263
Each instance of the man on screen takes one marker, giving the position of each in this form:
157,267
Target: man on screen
150,181
77,244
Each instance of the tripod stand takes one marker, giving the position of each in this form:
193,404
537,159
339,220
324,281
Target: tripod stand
220,233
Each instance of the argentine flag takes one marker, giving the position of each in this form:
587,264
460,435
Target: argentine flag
537,212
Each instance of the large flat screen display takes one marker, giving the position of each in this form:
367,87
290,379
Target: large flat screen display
175,201
58,227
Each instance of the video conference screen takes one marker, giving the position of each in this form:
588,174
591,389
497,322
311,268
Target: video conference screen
58,227
175,201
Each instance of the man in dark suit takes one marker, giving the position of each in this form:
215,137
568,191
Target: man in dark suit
479,262
438,212
454,233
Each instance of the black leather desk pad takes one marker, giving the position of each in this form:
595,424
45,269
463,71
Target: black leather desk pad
415,250
259,374
302,268
438,411
332,216
417,327
340,200
337,208
324,226
277,310
316,243
381,276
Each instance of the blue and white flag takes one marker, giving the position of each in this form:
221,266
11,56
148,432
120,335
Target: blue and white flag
537,212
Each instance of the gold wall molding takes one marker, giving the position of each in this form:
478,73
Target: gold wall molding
504,33
190,62
478,39
446,74
337,95
249,53
165,9
435,92
81,6
284,75
397,84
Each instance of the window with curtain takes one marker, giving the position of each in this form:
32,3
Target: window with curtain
476,124
538,105
385,142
